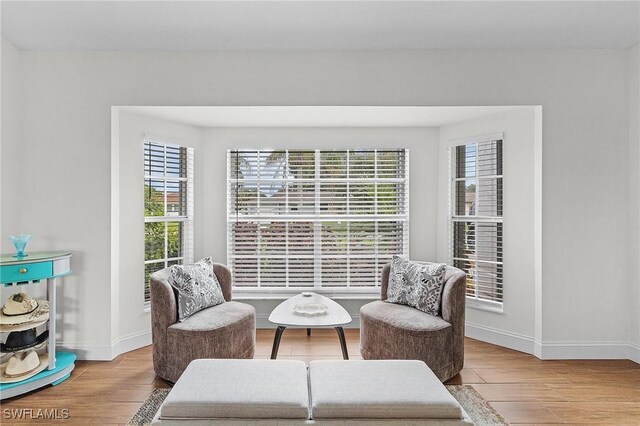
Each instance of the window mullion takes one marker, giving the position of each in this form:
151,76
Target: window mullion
348,236
286,210
166,243
259,238
164,179
375,185
475,222
375,211
317,225
259,252
286,250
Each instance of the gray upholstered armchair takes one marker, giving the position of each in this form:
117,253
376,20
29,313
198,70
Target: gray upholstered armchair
391,331
227,330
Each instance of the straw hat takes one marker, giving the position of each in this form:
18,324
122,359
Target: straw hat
19,304
8,328
41,313
23,365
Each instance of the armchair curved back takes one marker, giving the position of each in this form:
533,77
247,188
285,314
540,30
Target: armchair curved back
452,303
164,312
164,308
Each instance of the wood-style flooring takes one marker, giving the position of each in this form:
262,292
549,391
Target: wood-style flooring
521,387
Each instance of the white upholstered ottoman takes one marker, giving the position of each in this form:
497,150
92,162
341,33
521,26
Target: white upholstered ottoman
282,392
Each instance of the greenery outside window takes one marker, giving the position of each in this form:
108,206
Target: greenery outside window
168,207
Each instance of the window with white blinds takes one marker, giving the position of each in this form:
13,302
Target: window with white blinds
476,216
321,219
168,207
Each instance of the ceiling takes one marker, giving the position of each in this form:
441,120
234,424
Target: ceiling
317,116
312,25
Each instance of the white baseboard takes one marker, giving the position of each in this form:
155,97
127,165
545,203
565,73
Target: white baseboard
556,350
107,352
130,342
87,352
634,353
518,342
506,339
589,350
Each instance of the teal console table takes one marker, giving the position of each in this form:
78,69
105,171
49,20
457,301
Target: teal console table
33,269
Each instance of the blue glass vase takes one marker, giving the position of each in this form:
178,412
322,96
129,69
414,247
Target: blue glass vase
20,243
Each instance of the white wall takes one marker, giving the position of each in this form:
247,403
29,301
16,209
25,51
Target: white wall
634,199
133,323
517,321
584,93
10,159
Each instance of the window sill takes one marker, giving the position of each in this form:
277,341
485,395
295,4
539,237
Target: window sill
482,305
239,295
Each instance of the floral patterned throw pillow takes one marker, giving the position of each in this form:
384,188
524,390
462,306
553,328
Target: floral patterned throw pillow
197,287
416,284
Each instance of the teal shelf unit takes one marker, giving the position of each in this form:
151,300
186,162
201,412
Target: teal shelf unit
35,268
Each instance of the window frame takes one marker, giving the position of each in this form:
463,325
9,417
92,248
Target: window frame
340,292
452,218
187,220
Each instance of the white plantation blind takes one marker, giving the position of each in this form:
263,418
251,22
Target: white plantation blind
314,218
168,205
476,216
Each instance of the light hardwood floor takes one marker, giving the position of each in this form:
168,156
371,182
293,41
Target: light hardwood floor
521,387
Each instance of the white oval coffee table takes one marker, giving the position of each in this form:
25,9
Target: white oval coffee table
284,316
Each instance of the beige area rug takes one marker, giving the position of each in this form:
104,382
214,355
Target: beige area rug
473,403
